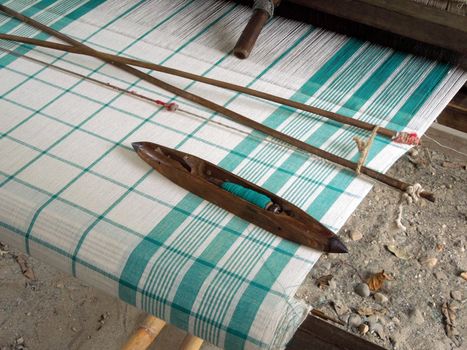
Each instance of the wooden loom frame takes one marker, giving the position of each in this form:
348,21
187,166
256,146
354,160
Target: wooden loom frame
314,332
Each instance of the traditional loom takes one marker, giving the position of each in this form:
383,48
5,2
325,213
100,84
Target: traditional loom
397,16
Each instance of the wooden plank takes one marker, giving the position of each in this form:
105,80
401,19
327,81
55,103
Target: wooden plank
318,334
403,17
455,114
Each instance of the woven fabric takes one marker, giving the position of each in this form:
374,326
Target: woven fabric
74,193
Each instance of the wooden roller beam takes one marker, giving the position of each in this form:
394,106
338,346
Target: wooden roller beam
250,34
403,17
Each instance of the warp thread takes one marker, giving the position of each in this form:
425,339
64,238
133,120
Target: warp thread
407,138
411,195
364,148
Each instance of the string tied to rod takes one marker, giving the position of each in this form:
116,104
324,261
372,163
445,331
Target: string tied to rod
409,196
170,106
364,148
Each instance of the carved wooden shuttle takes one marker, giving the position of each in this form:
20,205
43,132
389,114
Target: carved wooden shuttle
205,180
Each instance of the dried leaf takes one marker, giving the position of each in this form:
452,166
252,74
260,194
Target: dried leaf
399,252
368,311
26,269
375,282
429,262
323,281
365,311
449,313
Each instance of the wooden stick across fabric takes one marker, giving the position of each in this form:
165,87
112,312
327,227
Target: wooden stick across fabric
237,117
214,82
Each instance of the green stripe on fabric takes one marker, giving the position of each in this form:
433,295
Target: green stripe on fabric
196,260
115,203
12,23
135,267
68,89
58,25
328,128
307,90
163,61
345,177
112,277
244,310
52,198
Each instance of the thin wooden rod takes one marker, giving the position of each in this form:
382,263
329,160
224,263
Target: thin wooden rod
214,82
388,180
144,336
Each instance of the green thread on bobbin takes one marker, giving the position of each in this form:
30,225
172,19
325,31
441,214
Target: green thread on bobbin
251,196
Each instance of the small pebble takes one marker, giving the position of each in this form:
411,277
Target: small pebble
429,262
363,328
379,329
381,298
456,295
363,290
372,321
327,265
413,152
20,341
440,275
356,235
354,321
59,285
463,275
74,329
417,317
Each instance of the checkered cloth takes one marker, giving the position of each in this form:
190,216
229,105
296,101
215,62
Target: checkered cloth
74,193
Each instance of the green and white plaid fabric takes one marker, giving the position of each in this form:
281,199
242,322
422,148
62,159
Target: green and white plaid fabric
75,195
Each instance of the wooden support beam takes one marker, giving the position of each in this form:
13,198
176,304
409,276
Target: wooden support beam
403,17
318,334
455,114
144,336
191,342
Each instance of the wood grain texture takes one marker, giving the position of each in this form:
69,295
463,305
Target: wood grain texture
318,334
455,114
214,82
403,17
203,179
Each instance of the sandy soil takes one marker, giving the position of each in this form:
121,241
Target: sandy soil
407,312
59,312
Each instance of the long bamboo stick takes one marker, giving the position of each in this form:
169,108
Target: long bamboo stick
214,82
390,181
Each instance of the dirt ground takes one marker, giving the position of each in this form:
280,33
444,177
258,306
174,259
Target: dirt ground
425,266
